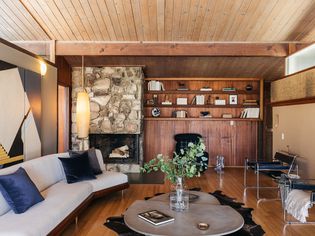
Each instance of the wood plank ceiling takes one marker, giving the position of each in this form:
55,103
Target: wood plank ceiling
158,20
166,21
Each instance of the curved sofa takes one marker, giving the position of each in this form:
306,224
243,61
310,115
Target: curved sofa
63,202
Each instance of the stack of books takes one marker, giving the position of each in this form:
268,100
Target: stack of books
229,89
250,102
205,88
156,217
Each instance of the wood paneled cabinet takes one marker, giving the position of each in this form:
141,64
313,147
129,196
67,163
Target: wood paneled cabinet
235,138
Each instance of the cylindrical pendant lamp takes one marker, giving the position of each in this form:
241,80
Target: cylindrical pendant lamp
83,114
83,110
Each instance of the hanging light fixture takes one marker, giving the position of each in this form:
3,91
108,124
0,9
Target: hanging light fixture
83,110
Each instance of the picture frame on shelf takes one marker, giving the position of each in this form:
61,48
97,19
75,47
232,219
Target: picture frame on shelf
233,99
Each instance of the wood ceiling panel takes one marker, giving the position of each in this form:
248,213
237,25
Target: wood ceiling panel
159,20
269,68
17,24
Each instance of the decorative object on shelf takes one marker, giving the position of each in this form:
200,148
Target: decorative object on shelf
233,99
210,100
166,101
219,102
155,99
149,102
182,165
155,112
227,116
205,88
181,114
155,85
249,87
83,112
229,89
205,114
181,101
182,86
200,99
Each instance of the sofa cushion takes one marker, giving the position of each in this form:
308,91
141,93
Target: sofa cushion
94,163
77,168
108,179
60,200
100,159
19,191
43,171
4,206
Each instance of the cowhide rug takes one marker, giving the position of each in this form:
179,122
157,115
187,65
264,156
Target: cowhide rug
250,228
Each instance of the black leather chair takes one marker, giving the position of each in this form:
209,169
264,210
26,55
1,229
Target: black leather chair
182,141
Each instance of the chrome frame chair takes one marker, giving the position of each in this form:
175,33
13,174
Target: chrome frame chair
300,184
282,163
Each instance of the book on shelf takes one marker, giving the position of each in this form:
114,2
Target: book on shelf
229,89
250,113
193,101
155,217
206,89
200,99
250,102
182,89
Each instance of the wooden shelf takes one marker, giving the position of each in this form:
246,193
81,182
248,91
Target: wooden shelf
199,119
202,92
203,79
201,106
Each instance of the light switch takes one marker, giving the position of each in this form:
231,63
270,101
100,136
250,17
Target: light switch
282,136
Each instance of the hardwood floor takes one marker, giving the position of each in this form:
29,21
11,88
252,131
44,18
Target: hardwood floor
268,213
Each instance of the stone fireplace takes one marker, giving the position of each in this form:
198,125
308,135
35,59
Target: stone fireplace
117,148
116,114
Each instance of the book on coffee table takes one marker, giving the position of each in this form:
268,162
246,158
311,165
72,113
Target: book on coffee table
155,217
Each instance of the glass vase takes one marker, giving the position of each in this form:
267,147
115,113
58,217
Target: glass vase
179,198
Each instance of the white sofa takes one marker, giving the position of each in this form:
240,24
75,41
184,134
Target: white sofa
63,201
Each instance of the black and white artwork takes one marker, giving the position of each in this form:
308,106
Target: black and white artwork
20,120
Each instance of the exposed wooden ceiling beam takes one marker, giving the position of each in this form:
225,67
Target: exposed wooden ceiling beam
94,48
41,48
97,48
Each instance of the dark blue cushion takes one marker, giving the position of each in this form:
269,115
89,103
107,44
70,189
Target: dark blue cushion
77,168
19,191
92,159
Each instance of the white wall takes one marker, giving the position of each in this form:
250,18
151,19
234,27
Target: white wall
49,94
300,60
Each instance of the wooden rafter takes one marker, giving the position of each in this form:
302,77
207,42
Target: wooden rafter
96,48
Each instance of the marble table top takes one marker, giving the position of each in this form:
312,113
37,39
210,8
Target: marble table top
221,219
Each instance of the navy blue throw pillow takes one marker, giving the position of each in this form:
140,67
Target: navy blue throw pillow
77,168
19,191
92,159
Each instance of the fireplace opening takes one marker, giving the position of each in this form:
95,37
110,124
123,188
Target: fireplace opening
117,148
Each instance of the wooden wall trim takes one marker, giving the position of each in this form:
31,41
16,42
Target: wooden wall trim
205,79
294,102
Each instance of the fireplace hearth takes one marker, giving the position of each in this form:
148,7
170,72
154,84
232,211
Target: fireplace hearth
117,148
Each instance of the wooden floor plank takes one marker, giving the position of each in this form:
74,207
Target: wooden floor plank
268,213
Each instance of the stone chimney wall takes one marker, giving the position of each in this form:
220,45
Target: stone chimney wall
115,100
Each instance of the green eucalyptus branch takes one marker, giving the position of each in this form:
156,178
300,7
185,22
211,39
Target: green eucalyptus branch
183,164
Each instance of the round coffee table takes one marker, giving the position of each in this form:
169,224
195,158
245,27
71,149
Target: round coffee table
221,219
